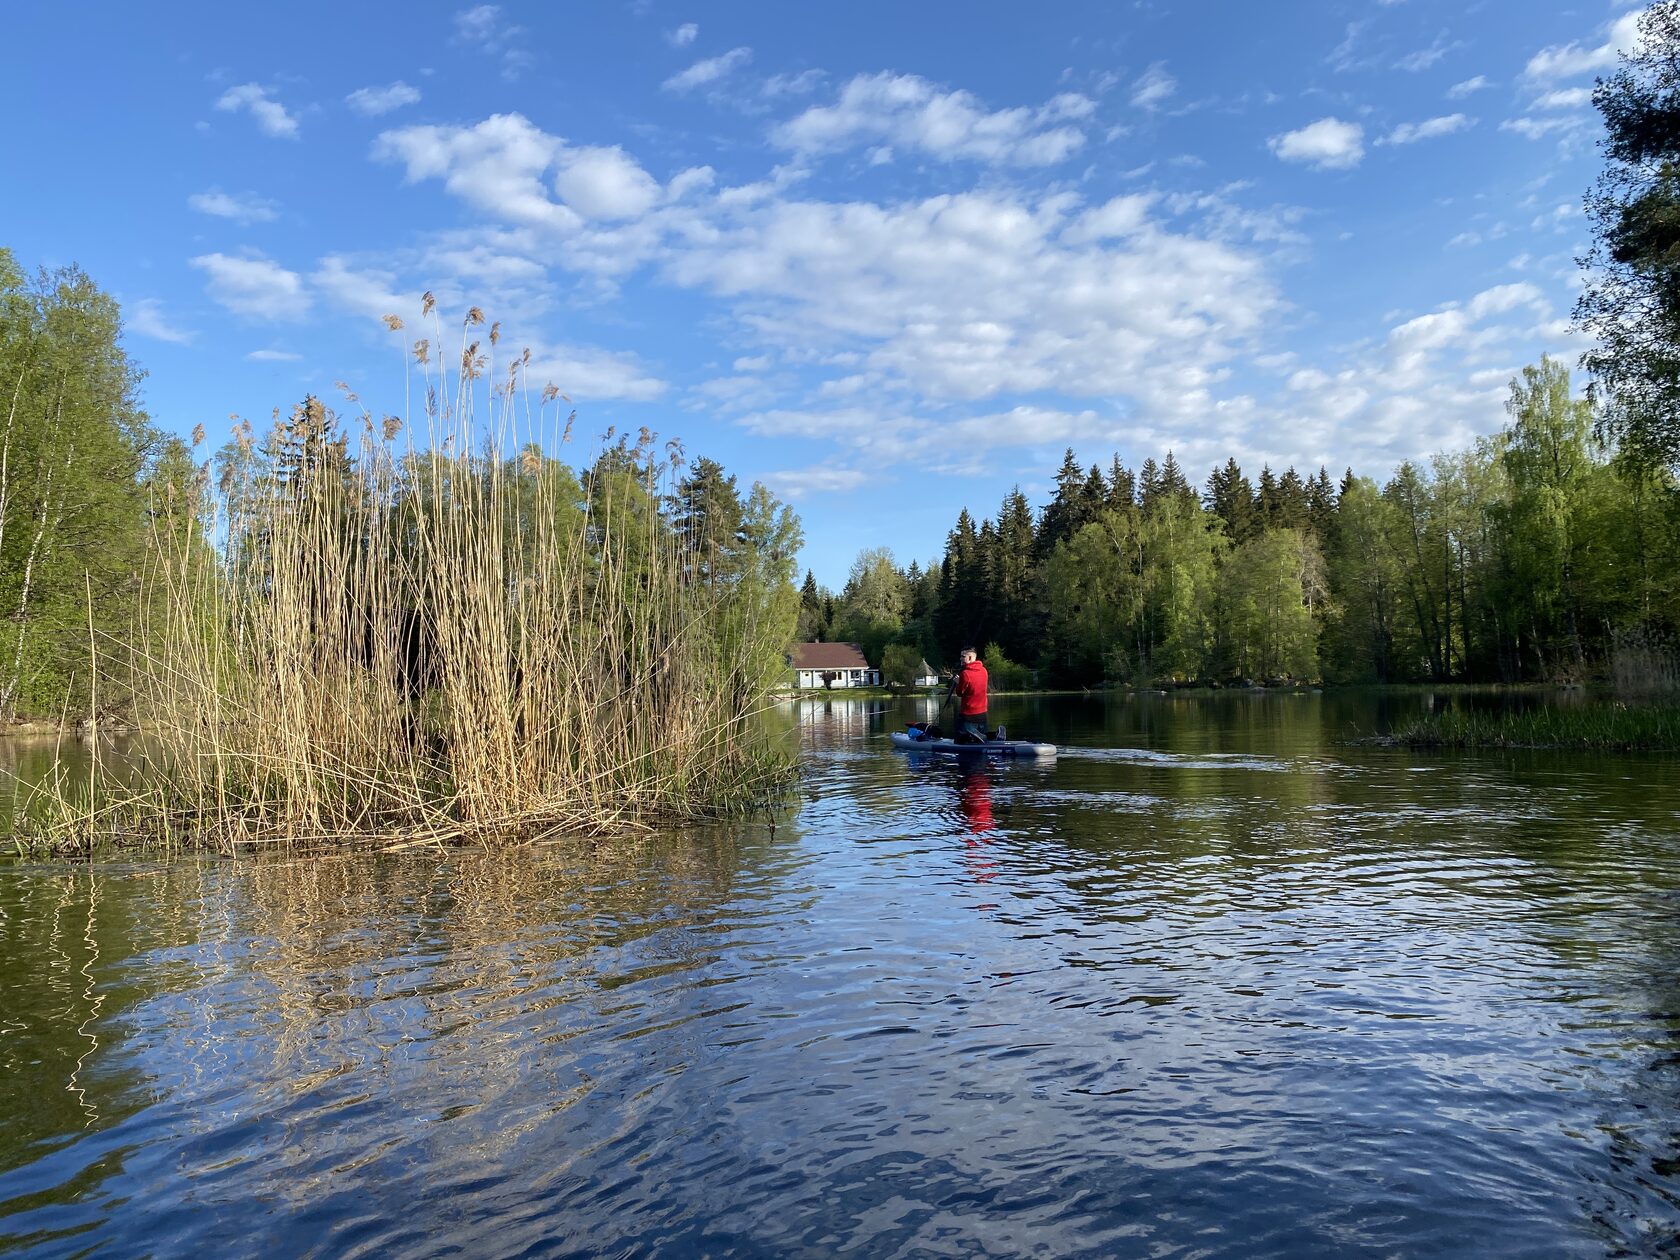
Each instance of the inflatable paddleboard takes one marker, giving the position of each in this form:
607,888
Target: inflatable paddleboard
991,748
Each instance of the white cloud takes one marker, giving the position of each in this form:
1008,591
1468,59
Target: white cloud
240,207
1424,58
953,297
271,116
602,183
374,101
254,286
1153,87
801,483
1564,98
497,165
1342,58
590,373
369,292
1539,128
1567,61
481,24
801,84
975,295
485,28
910,113
1434,382
1459,91
708,71
1117,218
1429,129
754,363
683,35
146,318
1558,219
1328,144
948,445
273,356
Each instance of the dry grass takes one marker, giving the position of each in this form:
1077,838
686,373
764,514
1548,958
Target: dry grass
447,641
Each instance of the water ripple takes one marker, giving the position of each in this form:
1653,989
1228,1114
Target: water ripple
1190,999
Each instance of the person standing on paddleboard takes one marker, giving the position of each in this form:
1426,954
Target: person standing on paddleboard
969,689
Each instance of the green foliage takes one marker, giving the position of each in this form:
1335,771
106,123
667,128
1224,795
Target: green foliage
1002,673
77,472
1631,304
899,664
1268,624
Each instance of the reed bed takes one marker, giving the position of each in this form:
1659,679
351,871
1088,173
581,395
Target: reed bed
351,635
1587,727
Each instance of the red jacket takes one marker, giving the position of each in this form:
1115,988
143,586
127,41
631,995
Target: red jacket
971,688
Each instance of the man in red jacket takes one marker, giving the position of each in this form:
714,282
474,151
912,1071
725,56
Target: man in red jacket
969,688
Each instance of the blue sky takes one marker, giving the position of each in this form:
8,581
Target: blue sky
890,259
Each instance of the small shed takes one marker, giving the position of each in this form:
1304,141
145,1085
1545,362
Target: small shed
925,677
832,665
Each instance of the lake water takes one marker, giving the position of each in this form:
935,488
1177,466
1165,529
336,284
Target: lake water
1213,983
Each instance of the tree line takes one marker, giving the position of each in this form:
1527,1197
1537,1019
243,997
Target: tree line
1538,553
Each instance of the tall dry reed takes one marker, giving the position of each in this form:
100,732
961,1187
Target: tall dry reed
348,634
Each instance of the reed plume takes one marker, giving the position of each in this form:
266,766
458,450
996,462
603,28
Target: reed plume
344,640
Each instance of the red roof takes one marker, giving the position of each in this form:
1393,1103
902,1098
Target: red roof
828,656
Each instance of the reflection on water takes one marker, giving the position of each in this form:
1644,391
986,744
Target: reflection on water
1212,983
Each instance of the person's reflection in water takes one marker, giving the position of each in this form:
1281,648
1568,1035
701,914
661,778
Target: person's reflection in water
974,798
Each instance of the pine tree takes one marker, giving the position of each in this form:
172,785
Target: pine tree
706,515
1321,507
1174,482
1230,497
1266,504
1061,515
1149,484
1292,501
1014,622
1122,487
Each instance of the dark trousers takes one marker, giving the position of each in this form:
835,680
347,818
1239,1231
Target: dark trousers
971,728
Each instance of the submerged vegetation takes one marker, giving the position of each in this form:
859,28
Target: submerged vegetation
342,633
1600,727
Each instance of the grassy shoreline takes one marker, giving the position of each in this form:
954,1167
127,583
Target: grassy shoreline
1585,728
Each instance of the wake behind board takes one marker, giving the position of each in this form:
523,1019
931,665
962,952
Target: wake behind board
991,748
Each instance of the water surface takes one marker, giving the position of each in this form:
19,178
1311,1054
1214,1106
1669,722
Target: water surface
1213,983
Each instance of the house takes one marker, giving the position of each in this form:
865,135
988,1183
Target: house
832,664
925,677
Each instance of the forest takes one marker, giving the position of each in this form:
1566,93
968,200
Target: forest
1546,552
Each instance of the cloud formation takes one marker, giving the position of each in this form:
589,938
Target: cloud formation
270,115
244,208
709,71
254,287
1567,61
146,318
907,112
1428,129
1153,87
374,101
1328,144
1459,91
485,27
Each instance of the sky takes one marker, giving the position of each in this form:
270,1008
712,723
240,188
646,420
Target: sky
888,259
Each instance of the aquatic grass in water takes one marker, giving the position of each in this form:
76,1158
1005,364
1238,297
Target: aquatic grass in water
1602,727
345,640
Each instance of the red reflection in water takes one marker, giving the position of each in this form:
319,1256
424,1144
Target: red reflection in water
974,798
